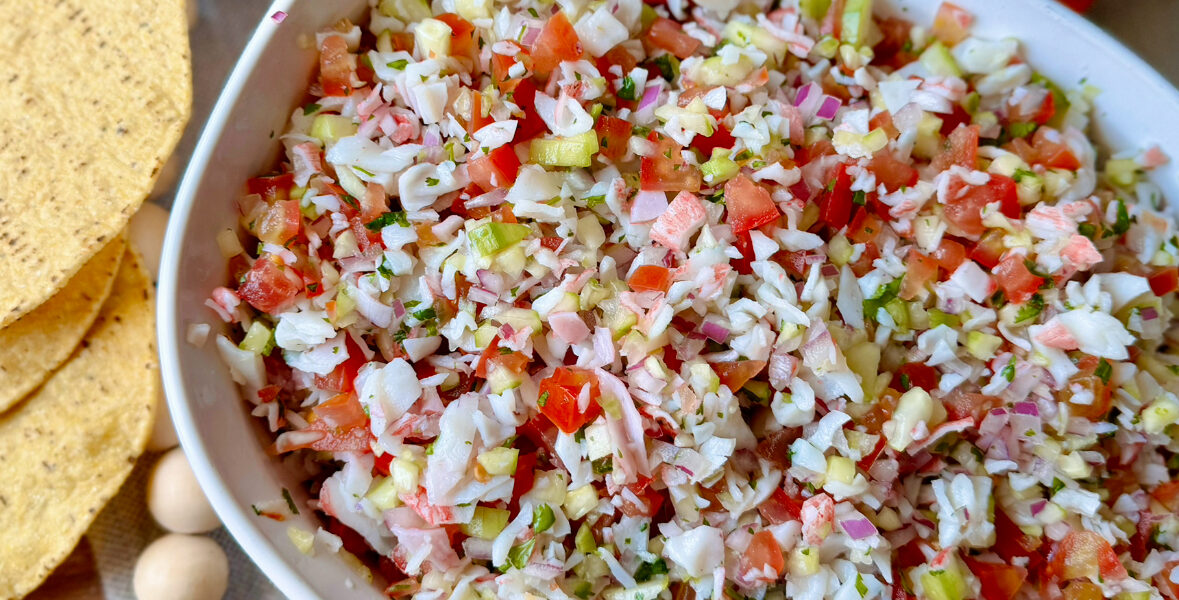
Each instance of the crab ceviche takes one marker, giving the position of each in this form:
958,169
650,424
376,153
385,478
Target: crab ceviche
711,300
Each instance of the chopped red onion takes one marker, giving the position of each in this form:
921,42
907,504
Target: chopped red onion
531,32
829,107
1149,313
493,198
804,93
829,271
493,282
431,140
1038,507
506,330
1027,408
714,332
482,296
278,16
398,309
650,95
858,529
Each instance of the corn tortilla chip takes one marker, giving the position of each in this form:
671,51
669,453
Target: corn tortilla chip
94,94
66,449
37,343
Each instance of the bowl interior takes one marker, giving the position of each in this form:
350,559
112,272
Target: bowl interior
226,446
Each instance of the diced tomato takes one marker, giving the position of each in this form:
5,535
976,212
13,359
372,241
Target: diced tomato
780,508
1095,408
999,581
720,138
1167,494
382,463
920,270
337,439
1082,590
748,205
864,227
918,375
744,245
501,65
883,120
531,125
557,42
462,36
949,254
864,264
965,203
774,446
270,286
342,411
552,243
617,55
1047,109
891,171
763,555
523,479
961,149
891,51
665,170
478,119
650,278
737,373
1163,580
835,205
669,35
952,24
281,223
273,187
961,405
881,411
613,136
1164,281
650,501
1085,554
1017,281
341,379
1052,152
989,250
1078,5
559,398
813,152
494,170
335,66
1011,542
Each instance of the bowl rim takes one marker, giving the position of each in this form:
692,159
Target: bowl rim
238,521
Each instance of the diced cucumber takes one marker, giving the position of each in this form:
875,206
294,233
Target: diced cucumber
648,590
938,60
804,561
617,317
702,378
499,461
405,474
329,128
542,518
487,522
575,151
982,345
747,34
503,379
857,22
556,300
520,318
841,469
815,9
473,9
864,360
408,11
945,584
584,541
592,293
490,238
580,501
484,334
713,71
1159,414
1122,172
550,487
259,339
720,167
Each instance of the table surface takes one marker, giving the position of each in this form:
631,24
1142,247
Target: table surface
223,28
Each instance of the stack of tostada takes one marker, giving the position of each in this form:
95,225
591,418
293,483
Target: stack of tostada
94,96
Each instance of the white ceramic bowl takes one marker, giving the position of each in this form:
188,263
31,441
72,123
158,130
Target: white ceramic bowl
226,446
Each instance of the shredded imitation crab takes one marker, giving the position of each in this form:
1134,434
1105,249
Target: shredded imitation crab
713,300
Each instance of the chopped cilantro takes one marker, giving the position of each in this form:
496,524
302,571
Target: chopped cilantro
1088,230
1030,310
860,587
425,314
648,570
387,219
1057,485
627,91
286,495
543,400
592,201
860,198
1104,371
398,64
668,65
430,181
1122,224
1008,372
518,556
311,109
1018,130
603,465
1021,173
906,382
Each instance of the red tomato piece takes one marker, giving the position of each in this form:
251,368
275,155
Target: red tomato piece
557,42
1047,109
335,66
780,508
737,373
613,136
559,398
1052,152
1017,281
462,36
949,254
952,24
1085,554
342,411
918,375
960,405
494,170
1082,6
999,581
269,285
965,203
650,278
748,205
531,125
523,479
961,149
720,138
764,556
669,35
989,250
273,187
650,501
835,205
891,171
665,170
1164,281
864,227
478,119
921,269
281,222
342,378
